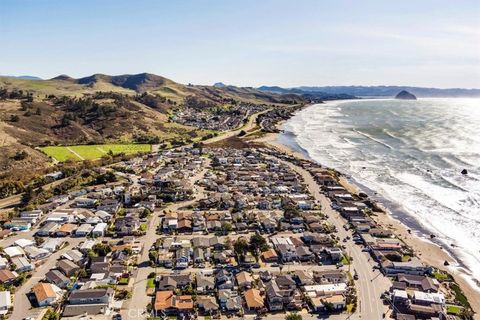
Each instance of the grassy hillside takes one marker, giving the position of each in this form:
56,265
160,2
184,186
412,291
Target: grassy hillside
103,109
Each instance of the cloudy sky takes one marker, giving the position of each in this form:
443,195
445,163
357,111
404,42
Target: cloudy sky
247,42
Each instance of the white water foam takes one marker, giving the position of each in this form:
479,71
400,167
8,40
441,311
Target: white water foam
410,153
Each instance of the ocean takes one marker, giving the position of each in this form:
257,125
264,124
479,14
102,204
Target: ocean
410,154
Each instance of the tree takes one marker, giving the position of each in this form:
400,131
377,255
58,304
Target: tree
293,316
241,247
226,227
228,243
102,249
20,155
51,315
152,256
257,242
291,211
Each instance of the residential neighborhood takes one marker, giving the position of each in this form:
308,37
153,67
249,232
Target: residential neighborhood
204,231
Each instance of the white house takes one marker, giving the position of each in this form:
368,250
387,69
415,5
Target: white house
3,263
46,293
84,230
99,230
22,243
14,251
52,244
22,264
5,302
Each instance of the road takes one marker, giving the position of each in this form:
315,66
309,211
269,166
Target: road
250,124
21,303
134,308
371,283
11,202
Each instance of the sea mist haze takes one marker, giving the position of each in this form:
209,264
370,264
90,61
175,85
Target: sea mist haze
412,154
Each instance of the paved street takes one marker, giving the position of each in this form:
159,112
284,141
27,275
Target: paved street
135,307
371,284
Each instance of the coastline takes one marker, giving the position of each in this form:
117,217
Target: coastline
428,251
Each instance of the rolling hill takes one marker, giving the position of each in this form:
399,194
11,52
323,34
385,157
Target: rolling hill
106,109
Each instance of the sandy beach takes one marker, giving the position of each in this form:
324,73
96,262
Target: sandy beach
425,249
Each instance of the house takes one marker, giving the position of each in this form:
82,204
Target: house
103,215
99,230
270,255
285,248
35,253
253,299
208,305
281,293
85,202
23,243
244,280
330,276
285,282
65,230
326,289
14,251
304,254
334,253
174,281
303,278
167,303
165,258
424,283
52,244
74,255
3,263
84,230
7,276
335,302
426,299
274,296
89,301
92,296
229,300
205,282
224,279
127,225
99,266
46,293
5,302
87,245
414,266
22,264
67,267
198,255
57,278
182,257
17,225
48,229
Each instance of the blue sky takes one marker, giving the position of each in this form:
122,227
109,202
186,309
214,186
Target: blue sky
249,42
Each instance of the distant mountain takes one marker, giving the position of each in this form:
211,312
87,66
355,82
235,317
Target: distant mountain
391,91
405,95
24,77
307,94
139,82
219,85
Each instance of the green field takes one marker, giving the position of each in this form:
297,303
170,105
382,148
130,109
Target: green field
92,152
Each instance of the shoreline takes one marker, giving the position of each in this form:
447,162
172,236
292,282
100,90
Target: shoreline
427,250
